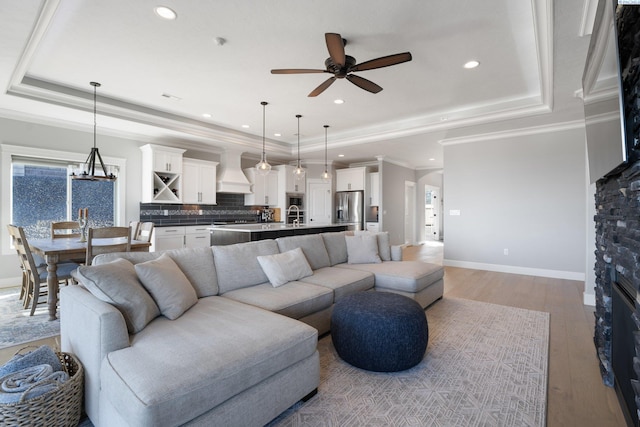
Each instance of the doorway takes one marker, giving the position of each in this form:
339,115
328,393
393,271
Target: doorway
432,208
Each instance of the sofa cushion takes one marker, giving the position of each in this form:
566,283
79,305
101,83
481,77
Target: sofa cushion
336,246
117,284
177,370
342,281
285,267
384,244
196,263
293,299
362,249
237,265
406,276
312,246
168,286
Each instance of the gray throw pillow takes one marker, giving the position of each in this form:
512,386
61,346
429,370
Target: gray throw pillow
117,284
384,245
285,267
168,286
362,249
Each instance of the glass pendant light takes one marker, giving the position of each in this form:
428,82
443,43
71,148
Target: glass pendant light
326,176
263,166
87,170
299,171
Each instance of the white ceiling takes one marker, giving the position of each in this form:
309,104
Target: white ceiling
531,55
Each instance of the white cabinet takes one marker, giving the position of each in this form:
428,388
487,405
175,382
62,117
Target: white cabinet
291,184
374,183
196,236
161,174
199,181
179,237
350,179
264,187
373,226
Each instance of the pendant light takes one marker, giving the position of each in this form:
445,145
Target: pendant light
326,176
263,166
87,170
299,171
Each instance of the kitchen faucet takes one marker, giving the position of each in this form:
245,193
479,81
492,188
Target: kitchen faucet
296,222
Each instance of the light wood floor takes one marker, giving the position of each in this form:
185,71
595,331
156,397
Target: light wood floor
576,394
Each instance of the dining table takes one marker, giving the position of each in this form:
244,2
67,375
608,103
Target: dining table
55,251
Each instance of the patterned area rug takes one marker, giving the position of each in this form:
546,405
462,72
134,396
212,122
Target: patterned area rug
17,327
485,365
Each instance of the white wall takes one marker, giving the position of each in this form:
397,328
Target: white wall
392,179
524,193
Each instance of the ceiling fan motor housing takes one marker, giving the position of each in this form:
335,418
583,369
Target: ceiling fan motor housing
337,70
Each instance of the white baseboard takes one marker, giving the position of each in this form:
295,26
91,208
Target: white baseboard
555,274
589,299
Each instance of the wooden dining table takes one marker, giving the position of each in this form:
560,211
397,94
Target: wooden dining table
55,251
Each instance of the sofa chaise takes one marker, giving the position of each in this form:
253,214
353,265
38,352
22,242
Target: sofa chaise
225,335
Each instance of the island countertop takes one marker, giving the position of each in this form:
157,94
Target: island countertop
270,226
237,233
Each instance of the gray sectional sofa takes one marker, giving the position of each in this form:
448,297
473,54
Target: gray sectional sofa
225,335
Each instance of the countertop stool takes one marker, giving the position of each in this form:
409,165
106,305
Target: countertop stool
379,331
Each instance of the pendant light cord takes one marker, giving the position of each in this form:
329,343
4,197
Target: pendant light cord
264,105
325,147
298,116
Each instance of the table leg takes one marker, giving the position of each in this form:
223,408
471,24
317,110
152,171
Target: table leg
52,285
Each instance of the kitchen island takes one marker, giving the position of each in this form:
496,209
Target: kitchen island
237,233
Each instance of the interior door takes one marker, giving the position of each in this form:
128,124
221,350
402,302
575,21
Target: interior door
319,202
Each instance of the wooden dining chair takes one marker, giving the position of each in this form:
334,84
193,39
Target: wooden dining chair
134,228
107,239
144,232
35,274
65,229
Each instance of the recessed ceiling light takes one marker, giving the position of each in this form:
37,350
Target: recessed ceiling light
277,134
471,64
432,159
165,13
246,126
340,155
206,115
338,101
444,118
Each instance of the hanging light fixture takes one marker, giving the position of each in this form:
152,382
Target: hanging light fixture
298,172
87,170
326,176
263,166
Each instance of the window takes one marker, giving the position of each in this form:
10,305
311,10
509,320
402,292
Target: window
43,192
50,195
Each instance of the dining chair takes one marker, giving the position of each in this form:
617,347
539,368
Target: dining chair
134,228
144,232
35,274
65,229
107,239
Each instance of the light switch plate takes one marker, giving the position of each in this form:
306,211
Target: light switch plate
454,212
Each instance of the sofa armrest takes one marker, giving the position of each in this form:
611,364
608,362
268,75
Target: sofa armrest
90,329
396,252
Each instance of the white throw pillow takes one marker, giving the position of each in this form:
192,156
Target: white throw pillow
285,267
168,286
362,249
384,245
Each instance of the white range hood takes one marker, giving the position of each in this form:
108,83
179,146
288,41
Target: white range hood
231,179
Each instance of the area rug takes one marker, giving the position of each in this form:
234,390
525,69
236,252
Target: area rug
485,365
17,327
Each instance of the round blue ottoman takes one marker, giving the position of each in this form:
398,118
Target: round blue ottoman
379,331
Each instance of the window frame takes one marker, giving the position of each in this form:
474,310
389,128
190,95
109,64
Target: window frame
6,191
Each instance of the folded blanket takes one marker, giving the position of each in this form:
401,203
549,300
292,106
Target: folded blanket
43,355
29,383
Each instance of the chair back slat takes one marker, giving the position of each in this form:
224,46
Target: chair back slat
119,241
145,230
24,252
65,230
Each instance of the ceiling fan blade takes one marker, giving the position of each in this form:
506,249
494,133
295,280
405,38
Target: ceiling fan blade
317,91
384,61
364,83
335,45
296,71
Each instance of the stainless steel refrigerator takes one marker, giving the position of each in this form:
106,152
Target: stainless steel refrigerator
350,209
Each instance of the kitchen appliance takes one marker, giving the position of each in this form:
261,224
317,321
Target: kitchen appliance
293,214
350,209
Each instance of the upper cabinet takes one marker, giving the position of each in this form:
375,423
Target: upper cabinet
264,187
199,181
374,183
291,184
161,174
351,179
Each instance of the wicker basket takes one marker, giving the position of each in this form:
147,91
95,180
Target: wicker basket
60,407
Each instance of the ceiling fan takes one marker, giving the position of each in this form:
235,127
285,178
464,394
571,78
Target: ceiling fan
341,66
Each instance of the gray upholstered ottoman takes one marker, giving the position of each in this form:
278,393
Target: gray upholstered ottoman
379,331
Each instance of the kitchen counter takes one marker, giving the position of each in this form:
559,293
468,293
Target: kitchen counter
237,233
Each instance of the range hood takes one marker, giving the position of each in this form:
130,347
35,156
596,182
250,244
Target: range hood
231,179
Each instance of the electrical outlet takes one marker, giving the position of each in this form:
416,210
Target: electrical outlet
506,251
